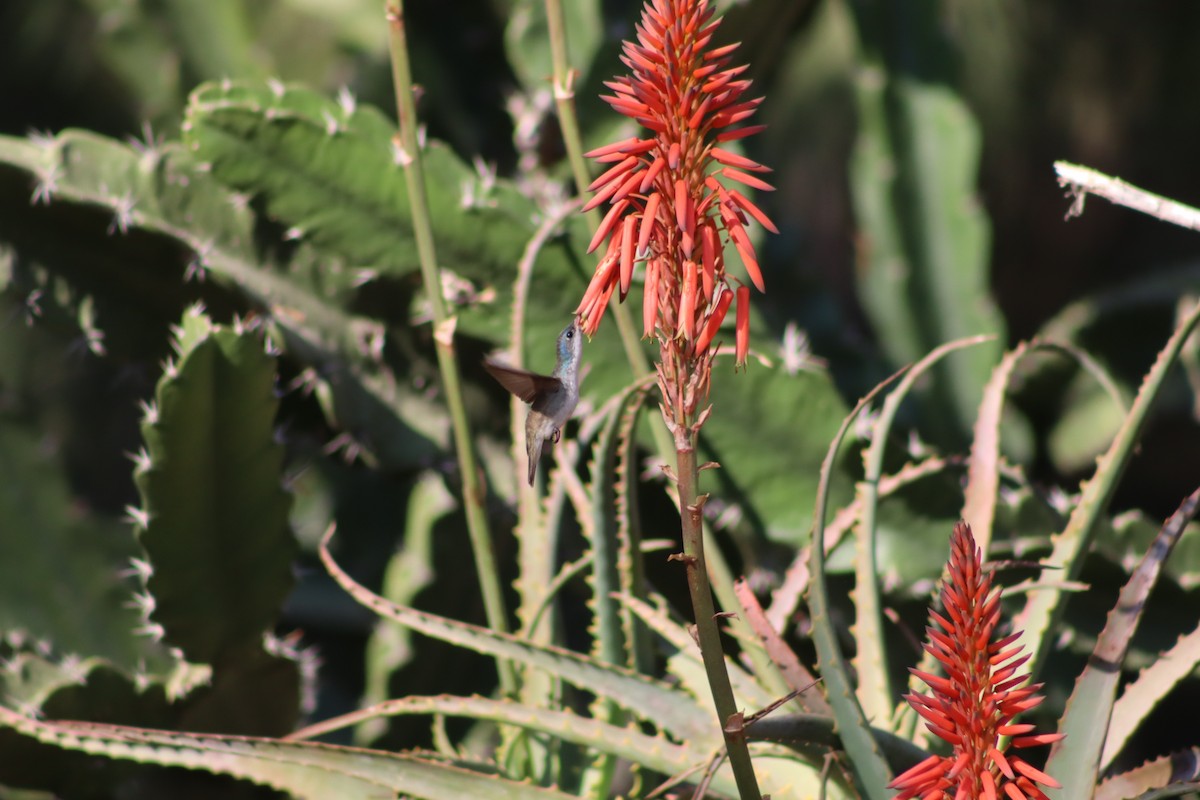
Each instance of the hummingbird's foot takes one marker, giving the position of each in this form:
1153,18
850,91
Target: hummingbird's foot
555,436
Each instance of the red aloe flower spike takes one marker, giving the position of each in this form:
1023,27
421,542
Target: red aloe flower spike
973,706
672,182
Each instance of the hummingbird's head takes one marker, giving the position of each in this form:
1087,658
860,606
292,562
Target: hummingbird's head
570,343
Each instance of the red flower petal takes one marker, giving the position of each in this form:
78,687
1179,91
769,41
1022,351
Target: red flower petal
652,173
740,133
1000,761
613,173
1013,792
749,180
734,160
718,52
921,773
628,227
989,785
749,259
714,321
687,302
605,193
681,204
649,223
607,224
628,186
650,298
743,324
1035,774
1038,739
754,211
615,147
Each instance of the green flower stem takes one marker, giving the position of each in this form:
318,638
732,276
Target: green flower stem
708,634
474,492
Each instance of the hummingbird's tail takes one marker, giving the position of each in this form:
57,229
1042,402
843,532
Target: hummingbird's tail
533,447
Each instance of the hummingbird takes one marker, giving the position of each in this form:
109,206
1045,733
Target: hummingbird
551,398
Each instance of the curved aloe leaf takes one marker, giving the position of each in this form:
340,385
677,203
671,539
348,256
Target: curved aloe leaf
1038,619
1077,757
409,570
612,626
610,629
870,661
670,710
303,769
983,471
870,770
1169,776
1145,692
651,752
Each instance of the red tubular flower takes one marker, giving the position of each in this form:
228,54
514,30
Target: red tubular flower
668,205
973,706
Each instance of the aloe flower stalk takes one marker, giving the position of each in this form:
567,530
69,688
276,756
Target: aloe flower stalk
673,205
975,703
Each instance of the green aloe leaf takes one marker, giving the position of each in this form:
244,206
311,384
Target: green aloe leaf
870,659
650,699
410,570
871,771
653,752
1141,695
1037,620
214,521
1170,776
1077,757
303,769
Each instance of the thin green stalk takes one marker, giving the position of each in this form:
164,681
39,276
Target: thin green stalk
474,492
708,634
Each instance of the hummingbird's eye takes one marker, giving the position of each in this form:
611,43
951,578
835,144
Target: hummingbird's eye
570,334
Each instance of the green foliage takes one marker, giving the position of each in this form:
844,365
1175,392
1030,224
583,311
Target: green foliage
280,206
53,562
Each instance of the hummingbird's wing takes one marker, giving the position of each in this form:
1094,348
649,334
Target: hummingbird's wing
524,384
